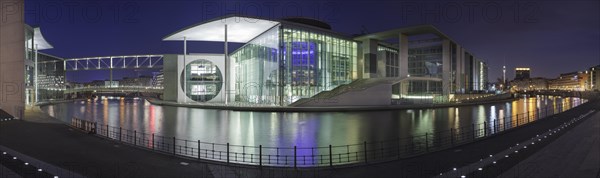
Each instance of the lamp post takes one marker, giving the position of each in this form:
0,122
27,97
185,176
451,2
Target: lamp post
226,69
184,69
35,74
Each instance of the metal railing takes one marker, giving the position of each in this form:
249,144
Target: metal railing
294,156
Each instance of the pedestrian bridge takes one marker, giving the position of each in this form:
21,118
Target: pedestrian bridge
121,89
114,62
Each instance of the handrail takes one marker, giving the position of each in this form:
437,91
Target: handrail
331,155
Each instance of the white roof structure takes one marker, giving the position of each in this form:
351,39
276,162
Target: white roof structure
39,41
239,30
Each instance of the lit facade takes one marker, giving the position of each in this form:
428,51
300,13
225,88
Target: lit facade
522,73
285,61
445,68
51,77
44,74
575,81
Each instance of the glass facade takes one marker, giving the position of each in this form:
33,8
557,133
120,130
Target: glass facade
286,63
392,63
203,80
425,60
256,69
51,77
29,68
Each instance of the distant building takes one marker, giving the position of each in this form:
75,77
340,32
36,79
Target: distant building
574,81
95,83
530,84
111,84
522,73
142,81
158,79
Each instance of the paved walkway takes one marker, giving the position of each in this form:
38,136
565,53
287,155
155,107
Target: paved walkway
43,138
575,154
59,145
7,173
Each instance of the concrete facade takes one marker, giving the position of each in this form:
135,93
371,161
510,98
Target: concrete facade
460,71
12,40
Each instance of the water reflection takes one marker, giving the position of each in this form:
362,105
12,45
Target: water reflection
301,129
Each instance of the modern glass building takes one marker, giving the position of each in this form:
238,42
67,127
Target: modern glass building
38,74
50,77
285,62
291,59
289,62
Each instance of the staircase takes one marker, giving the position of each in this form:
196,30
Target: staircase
356,85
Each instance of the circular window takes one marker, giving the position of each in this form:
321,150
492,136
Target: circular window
203,80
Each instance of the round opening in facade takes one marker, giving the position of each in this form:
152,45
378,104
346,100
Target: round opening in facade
203,80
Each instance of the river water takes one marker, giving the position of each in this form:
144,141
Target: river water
288,129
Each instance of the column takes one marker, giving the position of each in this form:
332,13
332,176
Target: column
369,47
184,70
226,69
403,54
446,73
403,59
35,74
457,73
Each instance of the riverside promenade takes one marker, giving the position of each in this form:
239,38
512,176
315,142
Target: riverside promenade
48,140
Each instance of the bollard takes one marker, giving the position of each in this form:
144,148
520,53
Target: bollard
152,141
174,146
484,128
330,157
295,151
135,137
260,156
227,152
199,149
120,132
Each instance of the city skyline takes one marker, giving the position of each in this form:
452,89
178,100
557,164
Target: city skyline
509,38
213,88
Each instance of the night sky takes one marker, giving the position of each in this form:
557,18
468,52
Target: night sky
550,37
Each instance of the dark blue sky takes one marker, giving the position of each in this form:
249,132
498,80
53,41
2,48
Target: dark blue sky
551,37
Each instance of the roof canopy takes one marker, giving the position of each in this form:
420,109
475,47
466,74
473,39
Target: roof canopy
239,29
39,41
412,30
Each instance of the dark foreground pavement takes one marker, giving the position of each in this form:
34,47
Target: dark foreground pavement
87,155
575,154
97,157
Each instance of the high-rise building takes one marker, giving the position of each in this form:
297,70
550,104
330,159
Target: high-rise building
522,73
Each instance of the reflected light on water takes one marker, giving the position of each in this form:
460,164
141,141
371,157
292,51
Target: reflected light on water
290,129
